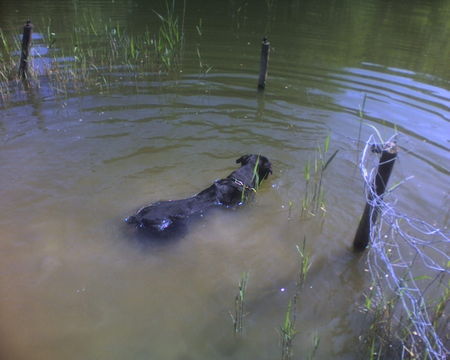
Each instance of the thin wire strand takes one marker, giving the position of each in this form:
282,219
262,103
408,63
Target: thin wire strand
400,246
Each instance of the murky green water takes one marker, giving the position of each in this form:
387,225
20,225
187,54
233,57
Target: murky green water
75,286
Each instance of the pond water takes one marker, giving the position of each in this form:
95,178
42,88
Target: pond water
75,285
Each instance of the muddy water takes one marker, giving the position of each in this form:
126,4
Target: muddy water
76,285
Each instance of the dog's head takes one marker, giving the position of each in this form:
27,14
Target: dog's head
261,165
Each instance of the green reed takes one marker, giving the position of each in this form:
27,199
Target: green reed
315,346
204,67
10,79
255,174
239,305
313,201
96,50
169,42
8,65
438,310
288,330
381,337
255,178
304,264
389,332
361,119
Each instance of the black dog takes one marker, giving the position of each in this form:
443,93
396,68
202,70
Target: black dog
166,218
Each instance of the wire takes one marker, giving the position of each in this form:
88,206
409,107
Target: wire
403,252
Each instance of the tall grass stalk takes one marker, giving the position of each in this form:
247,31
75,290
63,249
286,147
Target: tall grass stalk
316,342
304,260
204,68
379,333
10,78
239,305
361,119
246,190
8,65
288,330
255,175
313,201
391,334
438,311
96,50
169,42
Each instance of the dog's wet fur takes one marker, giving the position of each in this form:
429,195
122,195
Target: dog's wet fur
168,219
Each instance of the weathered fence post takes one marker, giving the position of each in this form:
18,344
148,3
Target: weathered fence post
264,63
26,45
370,214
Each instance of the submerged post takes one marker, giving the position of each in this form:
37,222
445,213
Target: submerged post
370,214
264,63
26,45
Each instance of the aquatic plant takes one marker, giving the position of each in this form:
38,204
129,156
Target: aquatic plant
8,65
12,77
390,328
380,331
239,305
79,61
6,59
255,175
255,179
361,119
288,330
304,264
204,67
315,346
314,199
438,309
169,42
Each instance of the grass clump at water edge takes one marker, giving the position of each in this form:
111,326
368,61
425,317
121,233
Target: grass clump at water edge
9,63
97,53
392,333
169,42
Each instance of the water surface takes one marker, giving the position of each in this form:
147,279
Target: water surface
75,285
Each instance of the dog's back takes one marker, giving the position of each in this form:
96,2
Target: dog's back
168,217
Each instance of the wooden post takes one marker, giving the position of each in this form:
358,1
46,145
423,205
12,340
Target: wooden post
26,45
264,63
370,214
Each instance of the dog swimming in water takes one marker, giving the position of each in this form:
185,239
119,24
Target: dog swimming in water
164,219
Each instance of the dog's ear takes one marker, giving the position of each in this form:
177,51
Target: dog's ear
243,159
265,167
